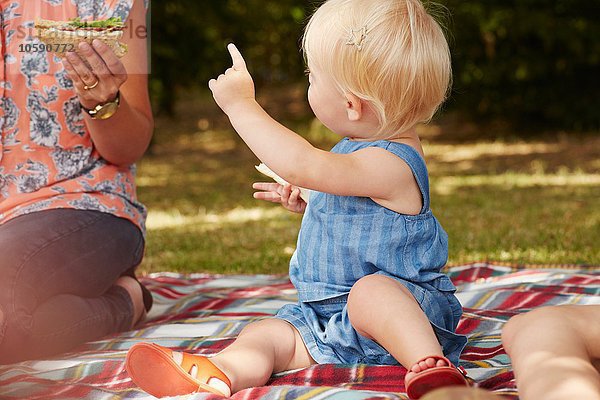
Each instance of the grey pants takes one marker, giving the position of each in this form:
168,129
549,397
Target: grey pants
57,275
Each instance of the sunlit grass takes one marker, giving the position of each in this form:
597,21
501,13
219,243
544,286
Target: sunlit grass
511,180
475,151
174,219
511,201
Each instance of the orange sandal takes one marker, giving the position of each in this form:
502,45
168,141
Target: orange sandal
155,370
435,377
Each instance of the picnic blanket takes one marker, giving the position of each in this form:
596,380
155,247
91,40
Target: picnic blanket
204,313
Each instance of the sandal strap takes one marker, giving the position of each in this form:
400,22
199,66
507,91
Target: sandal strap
460,369
470,380
205,369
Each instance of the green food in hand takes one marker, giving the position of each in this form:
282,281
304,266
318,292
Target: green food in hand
114,22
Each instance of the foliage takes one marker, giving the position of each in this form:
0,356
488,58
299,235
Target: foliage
189,39
533,63
511,201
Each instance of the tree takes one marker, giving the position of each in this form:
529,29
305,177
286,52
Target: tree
533,63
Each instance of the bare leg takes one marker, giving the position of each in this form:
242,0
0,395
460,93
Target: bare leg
553,350
262,348
408,342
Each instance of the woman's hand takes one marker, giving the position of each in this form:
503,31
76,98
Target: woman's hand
287,195
101,83
235,86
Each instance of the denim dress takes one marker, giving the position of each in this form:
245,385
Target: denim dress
344,238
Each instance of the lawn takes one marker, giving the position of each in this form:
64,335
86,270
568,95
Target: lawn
509,200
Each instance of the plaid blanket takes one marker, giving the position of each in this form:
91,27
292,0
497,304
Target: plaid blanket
204,313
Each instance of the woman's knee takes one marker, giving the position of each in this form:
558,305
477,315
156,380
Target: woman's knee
539,320
511,330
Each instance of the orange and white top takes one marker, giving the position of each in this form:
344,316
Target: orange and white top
47,157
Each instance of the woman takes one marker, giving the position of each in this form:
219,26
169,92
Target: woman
555,355
71,228
555,352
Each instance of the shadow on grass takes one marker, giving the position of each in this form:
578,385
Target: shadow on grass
548,224
505,200
253,247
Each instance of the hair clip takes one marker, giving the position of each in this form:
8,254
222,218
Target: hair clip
357,37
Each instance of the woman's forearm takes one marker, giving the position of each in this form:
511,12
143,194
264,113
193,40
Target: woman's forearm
123,138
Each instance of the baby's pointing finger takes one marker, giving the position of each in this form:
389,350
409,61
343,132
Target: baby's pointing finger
238,61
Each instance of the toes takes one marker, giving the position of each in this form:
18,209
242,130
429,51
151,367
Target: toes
427,364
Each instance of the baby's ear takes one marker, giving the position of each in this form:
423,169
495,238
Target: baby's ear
353,107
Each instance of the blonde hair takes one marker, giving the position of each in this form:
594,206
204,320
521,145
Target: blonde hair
390,53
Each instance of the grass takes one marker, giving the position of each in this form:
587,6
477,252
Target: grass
499,199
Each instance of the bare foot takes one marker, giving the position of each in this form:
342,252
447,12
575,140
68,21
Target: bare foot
135,292
424,365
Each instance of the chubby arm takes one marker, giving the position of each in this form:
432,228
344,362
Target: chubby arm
366,172
123,138
370,172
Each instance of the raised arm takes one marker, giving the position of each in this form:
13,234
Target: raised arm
370,172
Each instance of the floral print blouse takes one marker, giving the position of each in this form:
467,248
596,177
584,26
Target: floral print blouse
47,157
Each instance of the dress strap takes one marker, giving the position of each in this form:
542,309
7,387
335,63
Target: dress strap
416,163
